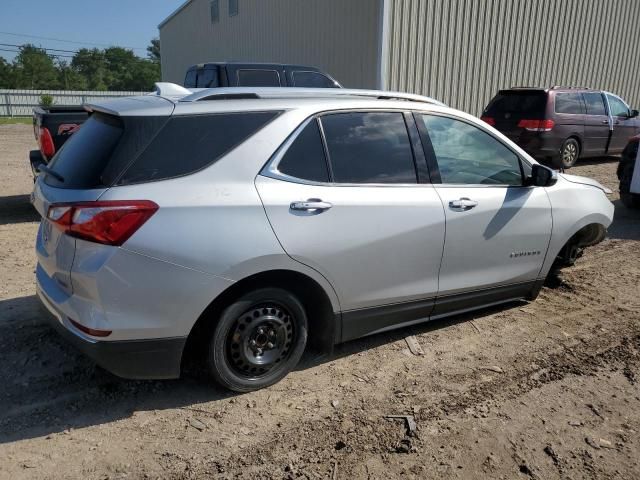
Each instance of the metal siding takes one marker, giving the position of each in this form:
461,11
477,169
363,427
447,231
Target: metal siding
338,36
463,51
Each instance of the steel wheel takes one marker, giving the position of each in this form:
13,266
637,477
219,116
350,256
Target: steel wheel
259,340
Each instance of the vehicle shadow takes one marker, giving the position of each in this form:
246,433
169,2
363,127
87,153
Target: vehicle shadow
17,209
626,223
49,387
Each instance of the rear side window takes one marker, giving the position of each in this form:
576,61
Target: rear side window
258,78
187,144
594,103
83,158
506,104
305,157
367,147
569,103
312,80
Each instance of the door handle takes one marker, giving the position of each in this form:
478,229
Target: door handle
605,121
314,205
463,204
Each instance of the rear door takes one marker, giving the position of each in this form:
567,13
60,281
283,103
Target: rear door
569,115
355,212
596,124
497,229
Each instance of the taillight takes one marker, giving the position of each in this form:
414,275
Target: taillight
536,125
106,222
488,120
47,147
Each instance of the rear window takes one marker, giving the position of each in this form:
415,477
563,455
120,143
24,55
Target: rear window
518,104
190,79
187,144
208,78
258,78
83,158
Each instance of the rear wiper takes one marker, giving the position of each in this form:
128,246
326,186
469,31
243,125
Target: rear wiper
48,171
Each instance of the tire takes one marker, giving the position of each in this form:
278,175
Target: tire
258,340
630,200
569,154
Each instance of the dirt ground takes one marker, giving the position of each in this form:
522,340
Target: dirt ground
543,390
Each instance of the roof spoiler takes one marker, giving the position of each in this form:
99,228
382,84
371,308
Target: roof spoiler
168,89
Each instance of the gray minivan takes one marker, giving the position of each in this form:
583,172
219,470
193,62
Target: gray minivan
561,124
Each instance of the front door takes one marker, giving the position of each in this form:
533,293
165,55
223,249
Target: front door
624,127
352,209
497,229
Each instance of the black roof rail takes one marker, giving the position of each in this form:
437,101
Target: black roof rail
558,87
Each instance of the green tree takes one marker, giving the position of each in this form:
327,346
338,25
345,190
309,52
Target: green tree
6,74
69,78
34,69
153,50
91,65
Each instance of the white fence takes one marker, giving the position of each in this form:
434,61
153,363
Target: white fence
20,103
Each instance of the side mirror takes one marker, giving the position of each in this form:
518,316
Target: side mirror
542,176
634,113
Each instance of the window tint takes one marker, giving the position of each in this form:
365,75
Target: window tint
208,77
258,78
618,108
233,8
190,79
594,103
215,10
467,155
312,80
83,158
369,148
187,144
531,103
305,157
569,103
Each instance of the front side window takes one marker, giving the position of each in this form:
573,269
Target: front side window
617,106
594,104
369,147
312,80
305,157
258,78
467,155
569,103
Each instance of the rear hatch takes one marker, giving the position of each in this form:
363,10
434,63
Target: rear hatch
84,168
514,112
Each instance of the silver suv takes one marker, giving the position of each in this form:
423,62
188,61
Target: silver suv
246,225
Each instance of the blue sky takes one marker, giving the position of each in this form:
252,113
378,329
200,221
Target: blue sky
128,23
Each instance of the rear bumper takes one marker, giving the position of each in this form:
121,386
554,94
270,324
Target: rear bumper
133,359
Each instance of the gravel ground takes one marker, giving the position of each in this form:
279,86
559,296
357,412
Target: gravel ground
542,390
